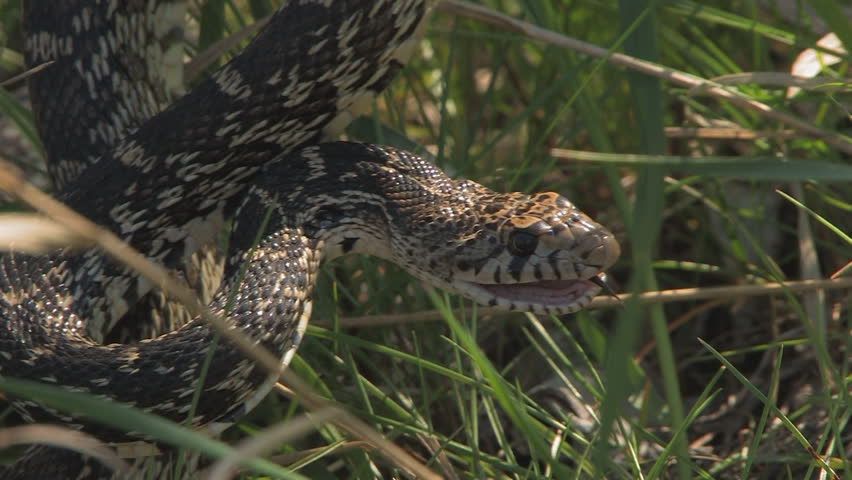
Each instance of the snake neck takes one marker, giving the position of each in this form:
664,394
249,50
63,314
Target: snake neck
334,195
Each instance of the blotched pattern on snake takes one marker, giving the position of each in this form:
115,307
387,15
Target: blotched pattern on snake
164,171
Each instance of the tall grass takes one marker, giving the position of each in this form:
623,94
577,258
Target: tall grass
678,390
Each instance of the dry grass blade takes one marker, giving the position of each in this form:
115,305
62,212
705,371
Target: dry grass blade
12,182
814,302
26,74
487,15
844,271
728,292
62,437
35,234
780,79
437,449
269,439
339,447
722,133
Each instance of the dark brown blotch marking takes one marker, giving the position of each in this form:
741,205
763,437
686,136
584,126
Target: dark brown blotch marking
348,243
493,208
537,272
516,266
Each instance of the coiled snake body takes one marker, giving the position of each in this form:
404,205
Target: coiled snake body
245,145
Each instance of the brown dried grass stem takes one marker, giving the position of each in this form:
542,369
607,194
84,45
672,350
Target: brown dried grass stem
62,437
727,292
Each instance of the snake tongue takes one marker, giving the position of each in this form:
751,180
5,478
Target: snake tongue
600,281
544,292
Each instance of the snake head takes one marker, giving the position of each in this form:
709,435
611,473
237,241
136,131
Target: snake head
536,253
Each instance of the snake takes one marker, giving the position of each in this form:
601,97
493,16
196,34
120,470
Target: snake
251,145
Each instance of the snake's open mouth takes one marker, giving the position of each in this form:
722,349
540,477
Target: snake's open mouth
552,296
546,292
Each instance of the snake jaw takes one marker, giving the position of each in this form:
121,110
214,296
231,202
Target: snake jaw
543,296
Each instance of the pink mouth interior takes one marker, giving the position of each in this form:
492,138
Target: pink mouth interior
545,292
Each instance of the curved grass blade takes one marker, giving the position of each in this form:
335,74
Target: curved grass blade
125,418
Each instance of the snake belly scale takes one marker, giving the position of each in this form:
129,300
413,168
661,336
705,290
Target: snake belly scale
245,145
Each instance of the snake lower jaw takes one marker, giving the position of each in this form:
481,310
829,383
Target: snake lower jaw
546,296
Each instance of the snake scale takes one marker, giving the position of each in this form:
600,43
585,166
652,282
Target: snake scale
164,170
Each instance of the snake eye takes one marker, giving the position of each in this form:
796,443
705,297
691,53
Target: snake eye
522,244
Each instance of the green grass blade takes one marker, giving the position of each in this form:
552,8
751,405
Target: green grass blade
125,418
749,168
797,434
